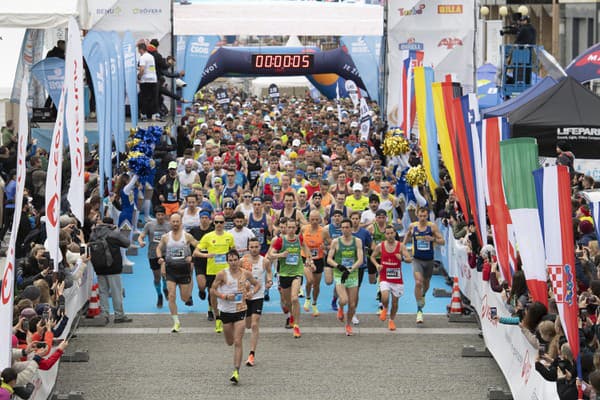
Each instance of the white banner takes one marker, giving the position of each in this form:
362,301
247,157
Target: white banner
145,19
365,120
75,120
8,278
54,184
511,350
444,31
75,298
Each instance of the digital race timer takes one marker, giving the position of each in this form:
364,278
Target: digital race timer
282,63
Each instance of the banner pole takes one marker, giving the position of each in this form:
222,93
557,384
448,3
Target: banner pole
383,107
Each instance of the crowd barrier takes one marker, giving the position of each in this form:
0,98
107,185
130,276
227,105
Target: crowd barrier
75,298
513,353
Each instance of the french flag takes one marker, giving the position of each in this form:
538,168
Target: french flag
553,192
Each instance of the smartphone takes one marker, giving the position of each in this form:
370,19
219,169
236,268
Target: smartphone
25,324
542,350
40,345
47,255
493,312
82,250
87,251
46,314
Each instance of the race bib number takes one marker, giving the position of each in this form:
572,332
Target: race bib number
393,273
238,298
254,175
220,258
171,197
157,237
347,262
314,252
292,259
177,254
185,191
423,245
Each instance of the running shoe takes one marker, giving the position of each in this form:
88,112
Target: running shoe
159,302
349,330
202,294
166,292
340,314
306,305
334,305
391,325
267,297
190,302
297,332
210,316
176,327
355,320
315,310
419,317
301,293
235,377
250,360
287,323
383,314
218,326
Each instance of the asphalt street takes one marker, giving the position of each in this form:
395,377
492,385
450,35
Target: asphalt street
143,360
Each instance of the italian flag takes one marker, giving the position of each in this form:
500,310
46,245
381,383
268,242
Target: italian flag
519,160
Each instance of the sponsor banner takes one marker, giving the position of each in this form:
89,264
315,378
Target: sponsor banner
151,18
512,351
365,60
274,92
222,97
75,298
444,31
7,285
50,72
75,120
365,120
32,51
130,66
118,92
197,51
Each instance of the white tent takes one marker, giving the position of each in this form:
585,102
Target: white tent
41,14
260,86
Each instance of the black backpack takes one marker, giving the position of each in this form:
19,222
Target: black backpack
100,254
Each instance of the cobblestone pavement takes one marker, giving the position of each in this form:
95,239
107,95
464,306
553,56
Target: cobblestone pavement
143,360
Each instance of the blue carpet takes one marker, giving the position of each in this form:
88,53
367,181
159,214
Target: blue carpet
140,296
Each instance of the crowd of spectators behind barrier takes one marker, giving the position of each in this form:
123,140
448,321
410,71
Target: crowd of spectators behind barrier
260,148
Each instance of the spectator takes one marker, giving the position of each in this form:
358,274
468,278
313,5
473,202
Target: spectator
148,84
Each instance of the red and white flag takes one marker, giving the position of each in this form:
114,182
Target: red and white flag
553,192
8,278
54,183
75,119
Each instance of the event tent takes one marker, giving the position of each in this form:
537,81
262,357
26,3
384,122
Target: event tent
568,112
516,102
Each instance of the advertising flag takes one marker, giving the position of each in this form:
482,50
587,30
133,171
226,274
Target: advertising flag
50,72
519,159
54,183
553,192
8,278
366,61
198,50
365,119
74,119
118,92
130,66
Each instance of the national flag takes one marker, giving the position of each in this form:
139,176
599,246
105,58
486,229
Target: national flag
407,94
54,184
423,79
497,209
442,130
7,287
519,159
75,119
553,191
593,199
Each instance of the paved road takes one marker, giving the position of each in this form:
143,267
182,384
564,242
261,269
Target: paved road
143,360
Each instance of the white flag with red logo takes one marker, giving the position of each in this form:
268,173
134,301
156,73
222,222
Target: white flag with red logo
54,184
75,119
7,290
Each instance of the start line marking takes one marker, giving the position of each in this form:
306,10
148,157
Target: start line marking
314,330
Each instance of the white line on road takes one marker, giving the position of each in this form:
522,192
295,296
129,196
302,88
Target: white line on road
314,330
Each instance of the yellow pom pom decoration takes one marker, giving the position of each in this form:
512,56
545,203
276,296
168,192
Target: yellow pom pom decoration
395,145
135,154
133,142
416,176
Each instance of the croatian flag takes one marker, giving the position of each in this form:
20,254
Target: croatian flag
553,192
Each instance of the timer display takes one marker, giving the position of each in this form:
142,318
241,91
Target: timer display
282,63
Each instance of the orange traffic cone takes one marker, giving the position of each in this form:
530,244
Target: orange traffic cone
456,304
94,306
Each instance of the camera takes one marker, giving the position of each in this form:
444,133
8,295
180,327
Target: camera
180,83
40,345
513,28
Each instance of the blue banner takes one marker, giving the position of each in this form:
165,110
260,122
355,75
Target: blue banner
130,67
197,51
50,72
96,57
119,97
363,50
113,85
